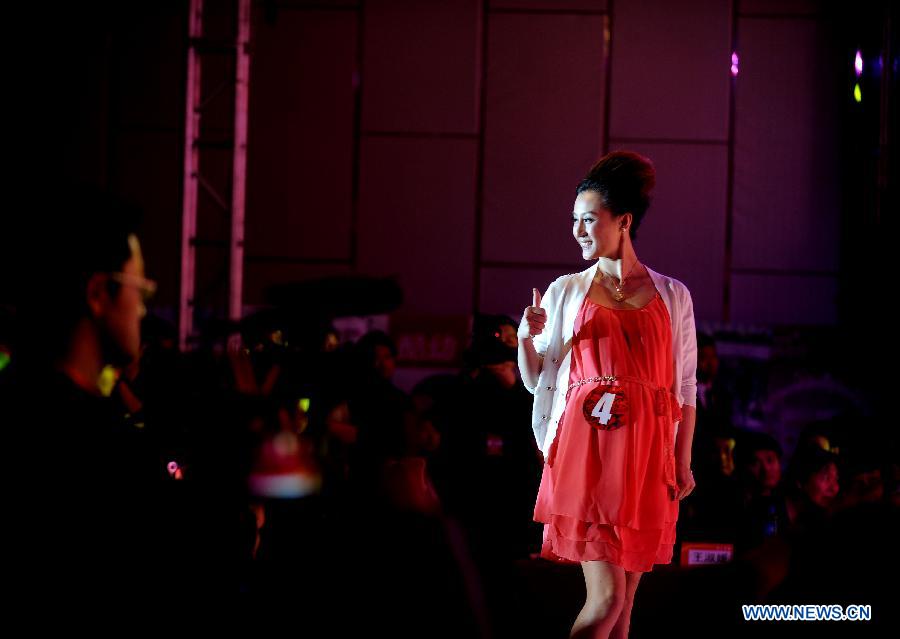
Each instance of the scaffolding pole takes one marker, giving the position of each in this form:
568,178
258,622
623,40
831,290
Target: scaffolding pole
193,180
239,170
191,175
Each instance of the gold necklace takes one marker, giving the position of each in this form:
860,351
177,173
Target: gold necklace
619,295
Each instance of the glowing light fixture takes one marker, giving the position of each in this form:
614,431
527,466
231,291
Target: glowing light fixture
858,63
857,93
734,64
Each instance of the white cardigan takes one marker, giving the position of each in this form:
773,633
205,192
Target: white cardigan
562,301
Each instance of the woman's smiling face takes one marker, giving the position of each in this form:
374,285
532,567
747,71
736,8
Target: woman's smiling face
594,227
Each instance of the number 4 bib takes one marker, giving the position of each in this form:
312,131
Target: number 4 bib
606,407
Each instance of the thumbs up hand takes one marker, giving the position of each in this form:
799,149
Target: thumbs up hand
533,319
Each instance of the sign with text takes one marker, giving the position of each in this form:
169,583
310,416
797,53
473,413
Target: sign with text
695,553
430,340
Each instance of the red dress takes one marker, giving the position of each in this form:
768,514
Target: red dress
608,483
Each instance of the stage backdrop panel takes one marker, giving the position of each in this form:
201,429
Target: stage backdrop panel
780,7
417,220
786,194
551,5
300,144
543,130
422,66
783,299
670,69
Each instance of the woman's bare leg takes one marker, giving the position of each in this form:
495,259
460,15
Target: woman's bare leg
620,630
605,586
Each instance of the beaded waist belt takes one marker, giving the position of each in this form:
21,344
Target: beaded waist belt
609,379
665,398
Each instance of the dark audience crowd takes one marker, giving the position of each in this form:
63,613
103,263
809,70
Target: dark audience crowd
274,460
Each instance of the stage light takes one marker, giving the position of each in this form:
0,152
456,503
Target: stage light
858,63
734,64
857,93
